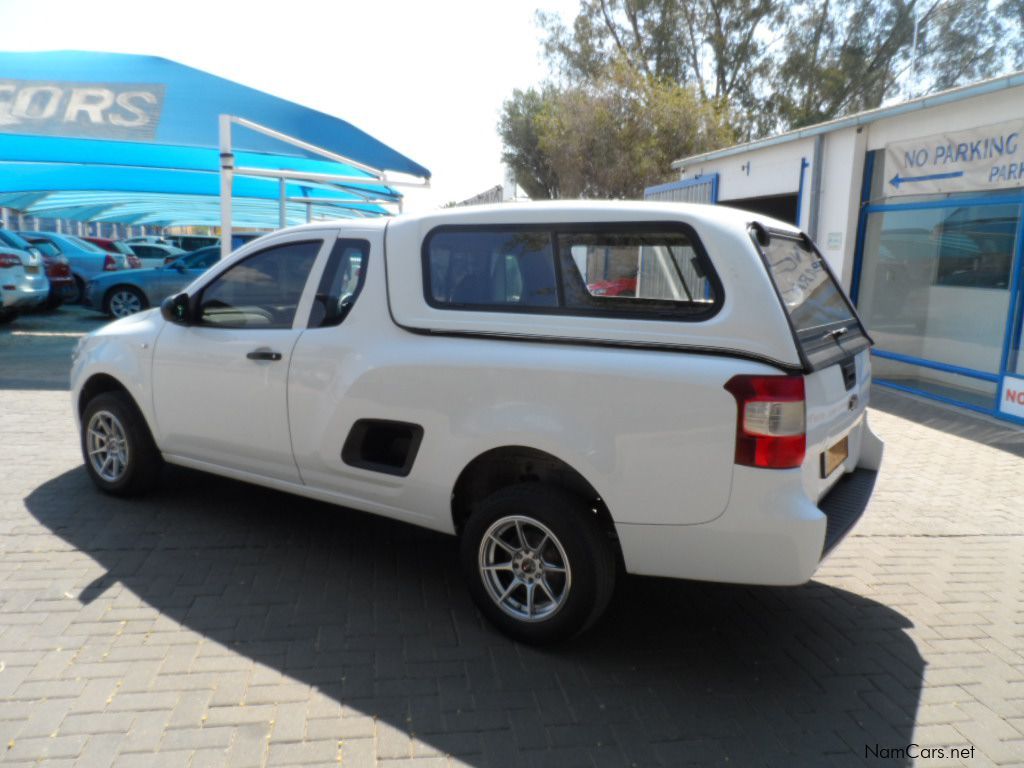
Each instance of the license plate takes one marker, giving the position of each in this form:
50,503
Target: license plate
32,270
834,456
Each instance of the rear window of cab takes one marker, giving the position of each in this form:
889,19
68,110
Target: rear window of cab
653,270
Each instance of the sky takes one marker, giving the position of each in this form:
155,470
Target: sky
427,78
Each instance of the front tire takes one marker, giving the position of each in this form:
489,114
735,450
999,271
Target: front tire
537,563
120,455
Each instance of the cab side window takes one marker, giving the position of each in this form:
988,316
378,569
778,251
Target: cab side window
263,291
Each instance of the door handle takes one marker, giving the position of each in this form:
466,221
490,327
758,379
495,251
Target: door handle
264,354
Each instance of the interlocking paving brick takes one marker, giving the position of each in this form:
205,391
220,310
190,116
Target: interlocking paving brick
213,623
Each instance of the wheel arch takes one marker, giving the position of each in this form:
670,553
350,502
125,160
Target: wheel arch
99,383
509,465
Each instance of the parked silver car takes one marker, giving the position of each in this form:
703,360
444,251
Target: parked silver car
23,282
155,255
120,294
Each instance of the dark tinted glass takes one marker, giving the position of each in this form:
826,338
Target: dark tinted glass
486,268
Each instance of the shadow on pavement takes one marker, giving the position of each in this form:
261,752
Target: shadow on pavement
374,614
970,426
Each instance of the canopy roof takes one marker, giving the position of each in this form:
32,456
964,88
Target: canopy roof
134,139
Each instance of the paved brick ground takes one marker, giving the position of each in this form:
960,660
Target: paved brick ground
215,624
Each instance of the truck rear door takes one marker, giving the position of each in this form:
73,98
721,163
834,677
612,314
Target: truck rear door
833,347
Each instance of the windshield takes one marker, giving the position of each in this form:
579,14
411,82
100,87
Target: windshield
47,248
83,244
204,258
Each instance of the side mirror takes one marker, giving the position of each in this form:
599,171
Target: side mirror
176,309
179,267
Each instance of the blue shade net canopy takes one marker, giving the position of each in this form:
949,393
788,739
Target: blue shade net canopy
136,140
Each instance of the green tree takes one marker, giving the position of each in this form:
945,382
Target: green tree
639,83
607,138
1011,15
718,47
518,128
843,56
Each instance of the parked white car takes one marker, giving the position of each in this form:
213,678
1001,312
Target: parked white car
455,371
23,282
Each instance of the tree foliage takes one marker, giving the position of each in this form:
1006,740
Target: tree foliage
615,136
637,80
843,56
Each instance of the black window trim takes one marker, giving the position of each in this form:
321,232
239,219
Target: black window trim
663,311
196,301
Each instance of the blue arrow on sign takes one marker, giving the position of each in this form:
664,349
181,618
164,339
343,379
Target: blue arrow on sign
897,179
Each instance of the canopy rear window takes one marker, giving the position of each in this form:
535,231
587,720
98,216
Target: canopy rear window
823,320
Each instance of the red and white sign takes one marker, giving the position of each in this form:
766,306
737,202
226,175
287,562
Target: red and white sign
1011,397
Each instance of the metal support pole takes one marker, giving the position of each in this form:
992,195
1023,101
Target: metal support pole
6,218
309,212
815,202
282,203
227,173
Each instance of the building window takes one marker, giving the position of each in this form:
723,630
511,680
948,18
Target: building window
934,287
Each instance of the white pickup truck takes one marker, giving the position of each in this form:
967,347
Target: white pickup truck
574,389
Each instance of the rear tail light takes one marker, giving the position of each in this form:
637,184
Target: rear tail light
8,260
770,421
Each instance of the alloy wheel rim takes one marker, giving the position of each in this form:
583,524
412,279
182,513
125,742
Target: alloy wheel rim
124,303
107,445
524,568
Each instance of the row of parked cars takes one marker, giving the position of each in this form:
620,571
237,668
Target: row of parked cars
118,278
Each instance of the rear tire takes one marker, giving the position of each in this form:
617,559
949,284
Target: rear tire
53,301
124,300
539,539
7,317
120,455
76,294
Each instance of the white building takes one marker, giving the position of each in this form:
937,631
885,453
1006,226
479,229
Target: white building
918,206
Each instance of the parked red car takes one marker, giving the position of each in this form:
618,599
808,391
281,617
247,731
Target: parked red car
616,287
116,246
58,271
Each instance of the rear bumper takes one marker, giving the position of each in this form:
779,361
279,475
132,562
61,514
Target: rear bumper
62,286
24,297
771,533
